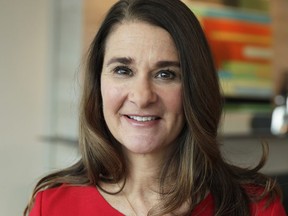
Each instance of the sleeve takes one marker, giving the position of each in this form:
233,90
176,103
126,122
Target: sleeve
37,207
275,208
278,209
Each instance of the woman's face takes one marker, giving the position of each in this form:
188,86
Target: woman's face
141,87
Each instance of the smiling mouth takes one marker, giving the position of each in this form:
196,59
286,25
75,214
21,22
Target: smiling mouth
143,118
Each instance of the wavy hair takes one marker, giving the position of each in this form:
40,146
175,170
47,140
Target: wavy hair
196,166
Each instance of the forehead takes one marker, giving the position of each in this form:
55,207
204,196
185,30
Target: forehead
137,36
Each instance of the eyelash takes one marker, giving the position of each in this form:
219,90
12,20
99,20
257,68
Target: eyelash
124,70
170,73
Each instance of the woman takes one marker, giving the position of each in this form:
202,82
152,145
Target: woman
148,128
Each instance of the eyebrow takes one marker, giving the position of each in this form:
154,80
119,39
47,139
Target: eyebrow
128,61
122,60
162,64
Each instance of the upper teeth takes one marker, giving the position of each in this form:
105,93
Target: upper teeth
142,119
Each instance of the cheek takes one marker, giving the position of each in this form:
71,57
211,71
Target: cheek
173,100
111,96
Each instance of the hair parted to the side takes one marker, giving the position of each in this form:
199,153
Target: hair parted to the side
196,166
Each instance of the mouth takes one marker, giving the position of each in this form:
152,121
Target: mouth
143,118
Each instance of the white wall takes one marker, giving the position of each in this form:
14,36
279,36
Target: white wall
24,43
40,53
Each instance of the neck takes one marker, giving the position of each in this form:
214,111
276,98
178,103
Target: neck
143,171
142,180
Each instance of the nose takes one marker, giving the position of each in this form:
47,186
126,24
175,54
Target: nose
142,92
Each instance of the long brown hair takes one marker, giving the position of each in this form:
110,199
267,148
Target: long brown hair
196,166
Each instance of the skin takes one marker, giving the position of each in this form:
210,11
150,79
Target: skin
142,105
133,83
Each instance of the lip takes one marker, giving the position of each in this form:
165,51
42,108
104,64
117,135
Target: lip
148,120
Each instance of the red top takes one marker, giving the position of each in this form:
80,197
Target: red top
87,201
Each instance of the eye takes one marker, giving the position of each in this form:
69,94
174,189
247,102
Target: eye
122,71
166,75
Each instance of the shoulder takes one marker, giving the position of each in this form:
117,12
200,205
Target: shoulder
265,207
70,200
70,192
270,205
205,207
258,208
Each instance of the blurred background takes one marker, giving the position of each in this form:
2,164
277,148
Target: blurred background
43,45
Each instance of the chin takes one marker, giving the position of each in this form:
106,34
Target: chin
145,148
139,149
